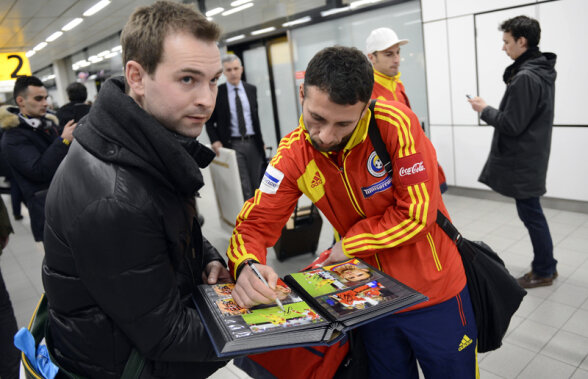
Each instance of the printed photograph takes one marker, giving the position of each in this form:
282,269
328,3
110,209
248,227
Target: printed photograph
294,314
228,307
318,282
224,289
368,295
351,272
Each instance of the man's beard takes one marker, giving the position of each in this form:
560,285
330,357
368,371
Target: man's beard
338,147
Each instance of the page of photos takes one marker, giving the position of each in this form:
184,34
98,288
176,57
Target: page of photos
345,287
242,322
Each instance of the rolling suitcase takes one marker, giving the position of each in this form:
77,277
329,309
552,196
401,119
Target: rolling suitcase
301,233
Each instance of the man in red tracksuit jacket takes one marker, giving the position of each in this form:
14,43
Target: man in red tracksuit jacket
383,50
389,221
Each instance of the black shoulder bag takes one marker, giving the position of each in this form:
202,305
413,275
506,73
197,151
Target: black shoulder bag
495,293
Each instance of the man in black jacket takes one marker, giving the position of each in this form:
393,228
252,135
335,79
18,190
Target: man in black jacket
517,165
235,124
123,251
76,108
32,146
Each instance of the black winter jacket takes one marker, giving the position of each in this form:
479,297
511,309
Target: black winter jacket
122,251
517,164
33,155
72,111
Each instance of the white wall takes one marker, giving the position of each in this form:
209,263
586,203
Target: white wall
463,56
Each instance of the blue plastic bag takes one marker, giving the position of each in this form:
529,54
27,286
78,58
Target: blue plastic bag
40,360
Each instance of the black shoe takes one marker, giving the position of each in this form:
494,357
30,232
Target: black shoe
532,280
18,217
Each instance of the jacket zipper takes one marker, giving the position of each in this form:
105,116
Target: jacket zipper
345,179
350,194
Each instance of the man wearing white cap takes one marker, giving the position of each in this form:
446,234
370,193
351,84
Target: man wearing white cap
383,50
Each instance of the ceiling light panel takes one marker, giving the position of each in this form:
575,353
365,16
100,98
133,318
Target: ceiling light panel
72,24
238,9
96,8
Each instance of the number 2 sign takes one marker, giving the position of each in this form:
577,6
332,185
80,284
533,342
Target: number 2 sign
13,65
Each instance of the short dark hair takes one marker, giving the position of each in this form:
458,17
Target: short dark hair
22,84
77,92
143,35
343,72
523,26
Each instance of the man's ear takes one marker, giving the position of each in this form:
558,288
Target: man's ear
522,42
301,92
365,109
371,57
135,75
19,100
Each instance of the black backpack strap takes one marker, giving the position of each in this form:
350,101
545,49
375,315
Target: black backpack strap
380,147
378,142
448,228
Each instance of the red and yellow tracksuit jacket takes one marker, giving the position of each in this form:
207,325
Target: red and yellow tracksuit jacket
389,88
390,222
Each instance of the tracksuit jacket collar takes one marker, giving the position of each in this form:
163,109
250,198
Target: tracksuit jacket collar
359,133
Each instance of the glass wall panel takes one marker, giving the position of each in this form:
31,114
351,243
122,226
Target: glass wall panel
285,91
257,73
404,19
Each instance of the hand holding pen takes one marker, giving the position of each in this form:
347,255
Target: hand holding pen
250,289
258,274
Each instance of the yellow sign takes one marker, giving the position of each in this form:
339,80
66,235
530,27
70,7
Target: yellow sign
13,65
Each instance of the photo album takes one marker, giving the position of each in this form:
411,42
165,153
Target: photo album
320,305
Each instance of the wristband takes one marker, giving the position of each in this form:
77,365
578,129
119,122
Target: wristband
243,264
66,142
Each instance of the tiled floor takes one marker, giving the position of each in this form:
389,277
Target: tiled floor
548,336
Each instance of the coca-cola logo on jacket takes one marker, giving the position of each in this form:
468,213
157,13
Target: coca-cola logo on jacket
412,169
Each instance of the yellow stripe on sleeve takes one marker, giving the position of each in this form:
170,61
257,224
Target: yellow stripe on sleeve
401,232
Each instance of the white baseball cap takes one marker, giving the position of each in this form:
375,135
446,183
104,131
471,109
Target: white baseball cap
381,39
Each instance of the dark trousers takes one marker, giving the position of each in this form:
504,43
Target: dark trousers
15,198
9,356
250,162
531,214
441,337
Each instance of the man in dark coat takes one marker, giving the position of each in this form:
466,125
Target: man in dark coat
8,352
517,165
76,108
32,146
123,251
235,124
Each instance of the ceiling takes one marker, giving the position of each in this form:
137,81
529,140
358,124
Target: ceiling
26,23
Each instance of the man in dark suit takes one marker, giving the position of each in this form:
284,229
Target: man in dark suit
235,124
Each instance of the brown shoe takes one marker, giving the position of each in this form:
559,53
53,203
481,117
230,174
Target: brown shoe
532,280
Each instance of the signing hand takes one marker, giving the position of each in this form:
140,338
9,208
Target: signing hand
250,291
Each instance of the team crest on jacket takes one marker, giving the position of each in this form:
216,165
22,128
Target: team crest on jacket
375,165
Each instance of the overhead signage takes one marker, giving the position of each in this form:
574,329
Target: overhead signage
13,65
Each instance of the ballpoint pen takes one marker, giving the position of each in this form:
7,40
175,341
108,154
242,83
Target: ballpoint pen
258,274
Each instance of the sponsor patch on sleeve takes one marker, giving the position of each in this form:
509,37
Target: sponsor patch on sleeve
412,170
271,180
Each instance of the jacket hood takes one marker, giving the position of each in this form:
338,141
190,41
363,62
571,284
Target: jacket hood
118,130
9,117
543,65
